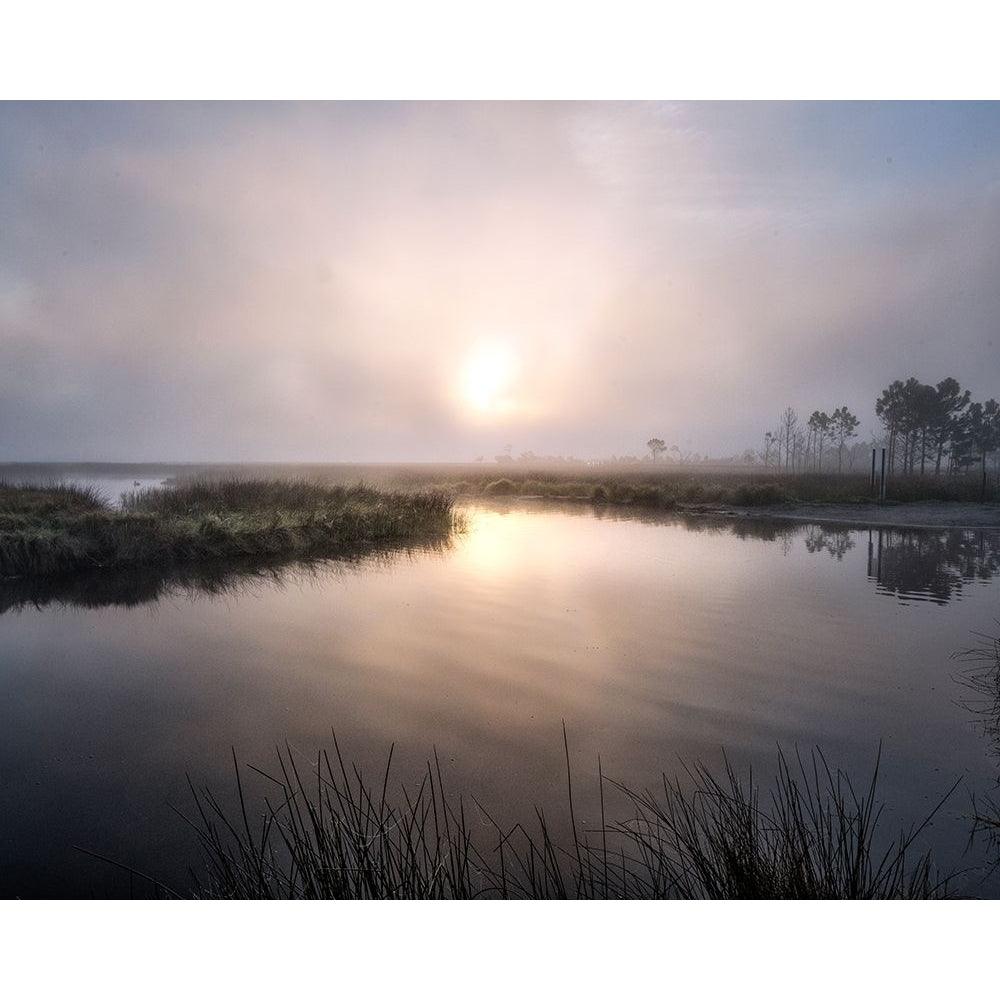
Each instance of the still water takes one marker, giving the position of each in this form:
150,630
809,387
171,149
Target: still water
656,639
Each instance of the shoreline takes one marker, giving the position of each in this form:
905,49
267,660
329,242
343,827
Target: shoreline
942,514
920,514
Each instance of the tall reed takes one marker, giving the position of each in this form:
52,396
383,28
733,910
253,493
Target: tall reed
327,832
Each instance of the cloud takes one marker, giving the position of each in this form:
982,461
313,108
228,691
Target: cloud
308,281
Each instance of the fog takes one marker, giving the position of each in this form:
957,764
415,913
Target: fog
389,282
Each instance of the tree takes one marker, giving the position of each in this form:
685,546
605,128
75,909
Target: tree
978,433
891,409
819,425
798,450
789,420
949,402
843,425
906,410
923,403
656,447
769,440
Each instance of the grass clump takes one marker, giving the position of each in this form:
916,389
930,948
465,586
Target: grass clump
58,530
758,494
329,833
815,838
500,488
40,501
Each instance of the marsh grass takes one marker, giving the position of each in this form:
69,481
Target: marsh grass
54,530
815,837
327,832
648,486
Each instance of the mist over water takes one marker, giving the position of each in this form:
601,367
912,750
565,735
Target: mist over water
654,638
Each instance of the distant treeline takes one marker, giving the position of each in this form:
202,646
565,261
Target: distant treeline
797,448
925,428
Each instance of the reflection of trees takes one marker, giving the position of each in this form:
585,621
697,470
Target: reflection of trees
835,541
745,528
905,562
931,564
927,563
125,588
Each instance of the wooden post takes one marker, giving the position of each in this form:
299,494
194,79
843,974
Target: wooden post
882,491
872,484
982,492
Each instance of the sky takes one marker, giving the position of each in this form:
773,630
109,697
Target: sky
439,281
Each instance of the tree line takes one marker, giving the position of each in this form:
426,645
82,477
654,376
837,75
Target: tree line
796,447
936,424
926,428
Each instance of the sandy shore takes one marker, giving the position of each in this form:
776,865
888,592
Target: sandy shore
901,515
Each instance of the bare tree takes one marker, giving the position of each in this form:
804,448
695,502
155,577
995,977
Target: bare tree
769,441
789,422
798,450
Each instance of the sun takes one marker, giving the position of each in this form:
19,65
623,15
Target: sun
486,380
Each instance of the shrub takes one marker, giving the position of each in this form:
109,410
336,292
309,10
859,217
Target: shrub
759,494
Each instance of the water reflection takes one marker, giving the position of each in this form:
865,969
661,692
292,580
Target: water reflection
837,542
907,563
930,565
654,640
137,585
918,564
923,564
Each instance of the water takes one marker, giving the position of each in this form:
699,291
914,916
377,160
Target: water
111,481
652,638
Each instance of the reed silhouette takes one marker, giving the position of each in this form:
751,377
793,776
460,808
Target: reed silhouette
326,831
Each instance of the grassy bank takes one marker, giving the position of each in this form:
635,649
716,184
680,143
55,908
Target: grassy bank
744,489
60,529
661,486
644,484
325,832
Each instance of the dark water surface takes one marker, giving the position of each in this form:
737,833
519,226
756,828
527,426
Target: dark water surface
654,638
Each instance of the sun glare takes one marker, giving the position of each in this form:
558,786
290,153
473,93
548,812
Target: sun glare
487,379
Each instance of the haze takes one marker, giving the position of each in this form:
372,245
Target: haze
388,282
